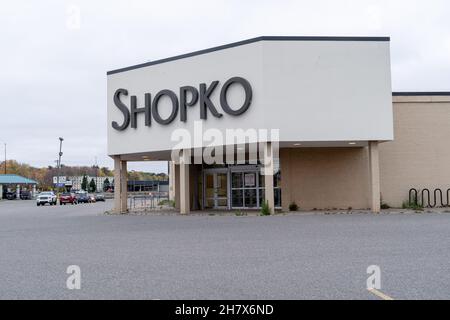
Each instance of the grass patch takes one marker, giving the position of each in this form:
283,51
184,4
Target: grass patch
166,202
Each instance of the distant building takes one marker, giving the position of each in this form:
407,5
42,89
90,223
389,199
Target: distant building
147,185
74,182
14,184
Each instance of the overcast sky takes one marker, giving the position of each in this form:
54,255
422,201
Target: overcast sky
53,65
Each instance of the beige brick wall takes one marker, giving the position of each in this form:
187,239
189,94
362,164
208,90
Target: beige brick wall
325,178
419,156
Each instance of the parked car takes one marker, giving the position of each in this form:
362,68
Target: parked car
46,197
99,197
82,197
11,195
68,197
25,195
91,198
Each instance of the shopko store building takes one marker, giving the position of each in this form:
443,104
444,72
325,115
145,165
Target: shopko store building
310,120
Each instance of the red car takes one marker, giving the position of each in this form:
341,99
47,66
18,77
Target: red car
67,197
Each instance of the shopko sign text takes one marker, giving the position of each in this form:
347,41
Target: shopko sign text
189,96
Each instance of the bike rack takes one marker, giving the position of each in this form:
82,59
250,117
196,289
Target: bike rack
428,198
448,197
413,197
412,190
441,197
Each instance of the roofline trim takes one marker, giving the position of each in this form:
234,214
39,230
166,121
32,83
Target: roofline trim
248,41
420,93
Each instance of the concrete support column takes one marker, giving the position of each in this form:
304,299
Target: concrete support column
1,192
268,176
120,185
172,181
34,191
18,192
177,186
374,167
185,205
117,184
123,187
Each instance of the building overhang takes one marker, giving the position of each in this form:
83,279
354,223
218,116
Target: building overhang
317,91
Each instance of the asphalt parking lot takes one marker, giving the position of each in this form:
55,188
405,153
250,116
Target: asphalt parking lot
312,256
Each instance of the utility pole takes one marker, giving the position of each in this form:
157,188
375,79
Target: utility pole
5,157
59,161
96,175
56,167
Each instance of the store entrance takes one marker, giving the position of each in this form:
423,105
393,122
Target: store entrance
216,190
246,188
237,187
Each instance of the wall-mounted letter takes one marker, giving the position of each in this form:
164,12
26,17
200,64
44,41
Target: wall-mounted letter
248,96
134,110
183,100
173,114
205,102
123,108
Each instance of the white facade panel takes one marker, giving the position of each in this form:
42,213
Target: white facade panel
328,91
312,91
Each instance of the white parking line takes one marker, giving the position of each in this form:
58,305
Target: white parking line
380,294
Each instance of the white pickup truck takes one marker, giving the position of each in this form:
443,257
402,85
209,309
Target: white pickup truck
46,197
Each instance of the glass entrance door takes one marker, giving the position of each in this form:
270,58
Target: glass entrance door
245,192
216,190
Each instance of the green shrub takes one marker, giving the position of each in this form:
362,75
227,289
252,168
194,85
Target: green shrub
265,210
411,205
293,206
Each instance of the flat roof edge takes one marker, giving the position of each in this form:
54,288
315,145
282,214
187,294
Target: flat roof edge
248,41
421,93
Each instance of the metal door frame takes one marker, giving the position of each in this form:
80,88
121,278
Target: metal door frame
214,172
246,169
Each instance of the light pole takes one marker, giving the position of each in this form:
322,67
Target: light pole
5,157
59,161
